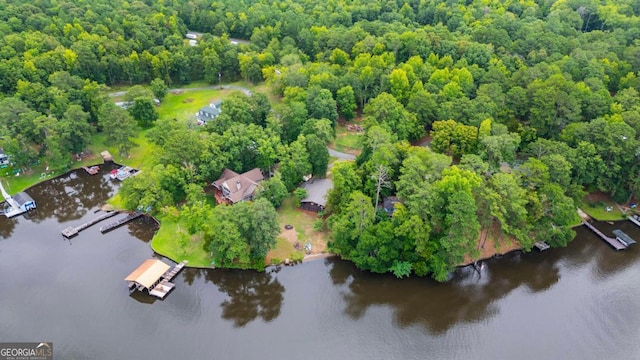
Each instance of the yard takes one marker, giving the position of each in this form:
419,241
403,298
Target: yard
173,241
301,233
600,207
347,141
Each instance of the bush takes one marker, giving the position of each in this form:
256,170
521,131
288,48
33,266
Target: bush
318,225
300,194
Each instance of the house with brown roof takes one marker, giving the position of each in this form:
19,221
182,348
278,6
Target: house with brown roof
232,187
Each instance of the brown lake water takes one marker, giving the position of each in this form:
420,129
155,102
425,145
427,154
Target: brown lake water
580,302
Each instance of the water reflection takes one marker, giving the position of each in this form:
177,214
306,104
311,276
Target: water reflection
143,228
468,297
70,196
7,226
607,260
250,295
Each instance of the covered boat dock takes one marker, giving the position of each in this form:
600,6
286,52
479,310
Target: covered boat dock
149,276
155,276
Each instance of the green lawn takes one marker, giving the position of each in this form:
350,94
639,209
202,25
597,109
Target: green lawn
599,211
186,104
347,141
173,241
283,251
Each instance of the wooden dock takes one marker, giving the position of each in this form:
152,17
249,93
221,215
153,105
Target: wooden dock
174,271
541,245
73,231
162,289
92,170
635,219
118,223
614,242
623,238
165,286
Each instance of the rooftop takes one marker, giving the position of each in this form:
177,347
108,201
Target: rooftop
148,273
317,190
22,198
239,186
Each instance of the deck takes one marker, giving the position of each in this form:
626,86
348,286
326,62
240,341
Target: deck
162,289
73,231
118,223
174,271
92,170
614,242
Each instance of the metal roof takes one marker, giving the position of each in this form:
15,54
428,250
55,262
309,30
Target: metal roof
317,190
148,273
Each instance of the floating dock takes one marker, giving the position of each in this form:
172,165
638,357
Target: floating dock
92,170
541,245
73,231
620,242
162,289
118,223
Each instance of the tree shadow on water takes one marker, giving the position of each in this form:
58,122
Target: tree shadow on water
250,295
468,297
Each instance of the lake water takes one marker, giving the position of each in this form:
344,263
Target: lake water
580,302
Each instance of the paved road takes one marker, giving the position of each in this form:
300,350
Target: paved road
211,87
340,155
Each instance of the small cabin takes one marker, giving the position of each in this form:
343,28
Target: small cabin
316,198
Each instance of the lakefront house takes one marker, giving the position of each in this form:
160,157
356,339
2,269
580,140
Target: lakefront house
232,187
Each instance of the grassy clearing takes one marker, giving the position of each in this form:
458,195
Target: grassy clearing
173,241
347,141
184,105
598,210
302,232
283,250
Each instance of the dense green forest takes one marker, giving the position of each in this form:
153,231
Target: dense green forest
528,105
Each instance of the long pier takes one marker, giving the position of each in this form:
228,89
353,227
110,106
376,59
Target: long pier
118,223
614,242
73,231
